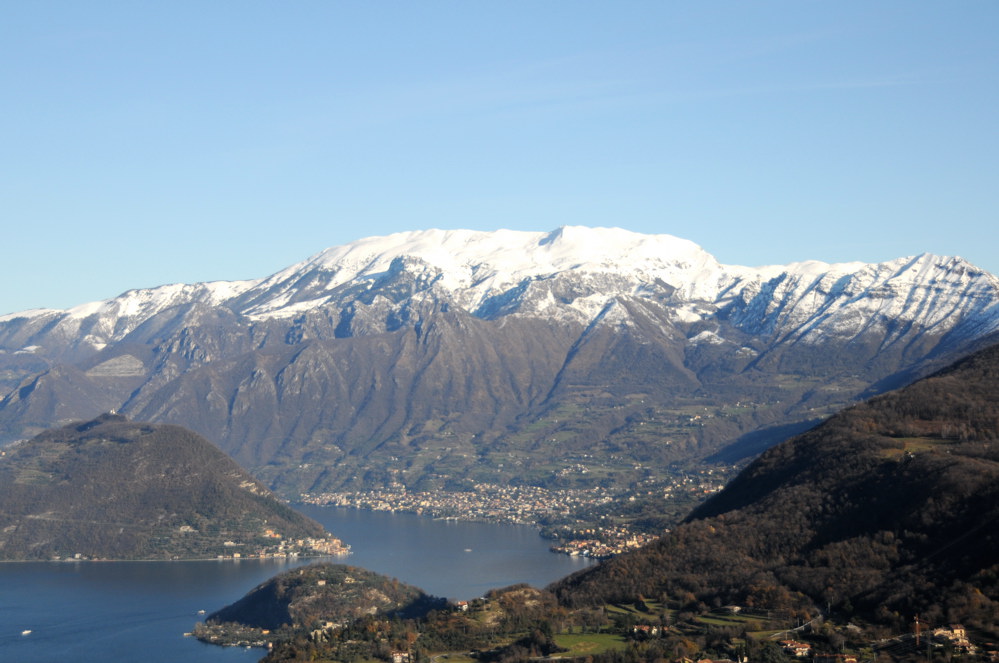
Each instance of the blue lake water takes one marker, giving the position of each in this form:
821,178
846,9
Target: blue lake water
452,559
139,611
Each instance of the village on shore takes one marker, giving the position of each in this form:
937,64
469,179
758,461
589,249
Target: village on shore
580,521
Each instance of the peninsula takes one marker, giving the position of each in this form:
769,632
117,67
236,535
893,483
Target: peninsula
112,489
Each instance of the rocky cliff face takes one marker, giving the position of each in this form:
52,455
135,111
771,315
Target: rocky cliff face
437,355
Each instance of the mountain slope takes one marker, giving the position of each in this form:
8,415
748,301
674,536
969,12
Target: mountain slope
889,508
324,593
113,489
435,355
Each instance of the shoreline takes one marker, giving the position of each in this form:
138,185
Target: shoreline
186,559
593,549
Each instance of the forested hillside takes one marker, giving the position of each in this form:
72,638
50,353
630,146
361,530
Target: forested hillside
887,510
319,599
115,489
884,512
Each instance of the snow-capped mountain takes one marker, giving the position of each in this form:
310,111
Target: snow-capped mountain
399,344
570,274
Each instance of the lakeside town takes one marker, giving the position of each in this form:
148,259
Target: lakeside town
279,547
591,522
329,546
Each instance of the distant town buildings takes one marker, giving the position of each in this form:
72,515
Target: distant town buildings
528,505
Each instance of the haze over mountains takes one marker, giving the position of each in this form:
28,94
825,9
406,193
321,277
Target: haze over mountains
434,358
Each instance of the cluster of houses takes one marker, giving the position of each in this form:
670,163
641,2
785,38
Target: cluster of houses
487,502
649,630
954,635
612,541
803,650
329,545
326,629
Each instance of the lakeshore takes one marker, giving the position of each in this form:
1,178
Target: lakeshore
593,522
305,549
114,610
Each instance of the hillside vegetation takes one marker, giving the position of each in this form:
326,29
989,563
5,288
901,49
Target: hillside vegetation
114,489
839,537
319,599
887,510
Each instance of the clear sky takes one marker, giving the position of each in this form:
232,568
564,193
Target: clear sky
149,143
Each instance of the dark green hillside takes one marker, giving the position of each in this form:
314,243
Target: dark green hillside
313,596
889,509
114,489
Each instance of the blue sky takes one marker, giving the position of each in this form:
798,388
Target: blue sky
153,143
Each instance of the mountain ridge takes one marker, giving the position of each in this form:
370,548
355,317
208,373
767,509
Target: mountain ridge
518,257
457,353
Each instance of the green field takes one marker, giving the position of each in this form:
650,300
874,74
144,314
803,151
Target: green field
582,644
652,608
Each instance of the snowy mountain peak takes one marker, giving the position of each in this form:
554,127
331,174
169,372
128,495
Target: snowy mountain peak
572,273
514,253
361,354
473,267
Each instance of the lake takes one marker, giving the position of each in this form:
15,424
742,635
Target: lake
453,559
132,611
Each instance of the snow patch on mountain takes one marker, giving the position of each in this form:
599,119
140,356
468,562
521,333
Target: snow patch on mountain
706,336
572,274
812,301
32,313
144,302
479,268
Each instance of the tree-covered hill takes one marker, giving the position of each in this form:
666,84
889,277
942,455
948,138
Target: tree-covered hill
114,489
884,512
318,600
887,510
